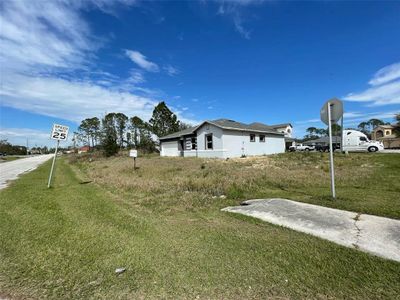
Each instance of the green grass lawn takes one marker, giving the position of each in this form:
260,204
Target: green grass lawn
163,223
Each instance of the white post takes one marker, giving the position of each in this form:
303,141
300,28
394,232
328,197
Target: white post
52,165
331,153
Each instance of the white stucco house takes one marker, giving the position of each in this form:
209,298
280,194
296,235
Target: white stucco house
224,138
286,129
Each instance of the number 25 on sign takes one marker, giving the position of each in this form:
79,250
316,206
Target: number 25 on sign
59,133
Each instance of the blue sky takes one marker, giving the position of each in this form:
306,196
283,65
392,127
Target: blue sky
247,60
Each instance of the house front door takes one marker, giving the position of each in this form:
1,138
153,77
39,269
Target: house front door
181,147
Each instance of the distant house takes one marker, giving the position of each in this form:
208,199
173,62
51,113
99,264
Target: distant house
386,135
285,128
224,138
83,149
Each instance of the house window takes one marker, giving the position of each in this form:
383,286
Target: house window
194,143
387,132
379,134
188,145
262,138
252,137
209,141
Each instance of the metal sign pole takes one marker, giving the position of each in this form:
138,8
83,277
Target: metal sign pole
341,136
331,153
134,163
52,165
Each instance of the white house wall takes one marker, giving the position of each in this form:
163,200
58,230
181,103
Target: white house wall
217,132
227,144
238,143
169,148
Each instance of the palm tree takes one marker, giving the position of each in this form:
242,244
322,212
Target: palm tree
311,130
375,123
363,127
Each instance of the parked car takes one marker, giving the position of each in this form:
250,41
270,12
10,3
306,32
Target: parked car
354,140
325,148
301,147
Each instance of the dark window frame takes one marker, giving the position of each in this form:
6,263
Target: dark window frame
194,143
212,141
262,138
252,138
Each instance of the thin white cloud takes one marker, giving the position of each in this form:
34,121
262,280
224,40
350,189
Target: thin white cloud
384,90
70,100
47,55
234,9
20,136
378,95
136,77
386,74
171,71
352,114
308,121
42,34
142,61
238,21
358,118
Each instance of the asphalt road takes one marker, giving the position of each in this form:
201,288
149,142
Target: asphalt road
12,169
372,234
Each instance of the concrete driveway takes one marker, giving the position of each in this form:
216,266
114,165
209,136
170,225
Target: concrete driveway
390,151
376,235
12,169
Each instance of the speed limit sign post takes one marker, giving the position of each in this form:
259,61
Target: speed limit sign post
59,133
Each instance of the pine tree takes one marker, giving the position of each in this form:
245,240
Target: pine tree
109,135
163,121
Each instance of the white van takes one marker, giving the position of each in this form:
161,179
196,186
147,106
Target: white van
354,140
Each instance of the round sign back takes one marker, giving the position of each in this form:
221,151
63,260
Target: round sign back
336,111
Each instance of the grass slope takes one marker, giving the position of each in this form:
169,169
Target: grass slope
65,243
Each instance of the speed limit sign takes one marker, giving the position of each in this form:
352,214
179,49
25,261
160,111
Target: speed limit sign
59,132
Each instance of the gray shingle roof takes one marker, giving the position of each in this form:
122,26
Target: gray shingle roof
226,124
280,125
273,127
254,127
178,134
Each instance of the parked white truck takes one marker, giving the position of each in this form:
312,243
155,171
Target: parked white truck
301,147
354,140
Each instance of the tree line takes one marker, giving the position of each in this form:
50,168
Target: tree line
365,127
117,131
9,149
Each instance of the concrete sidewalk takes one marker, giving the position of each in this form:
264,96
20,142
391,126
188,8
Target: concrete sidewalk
376,235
